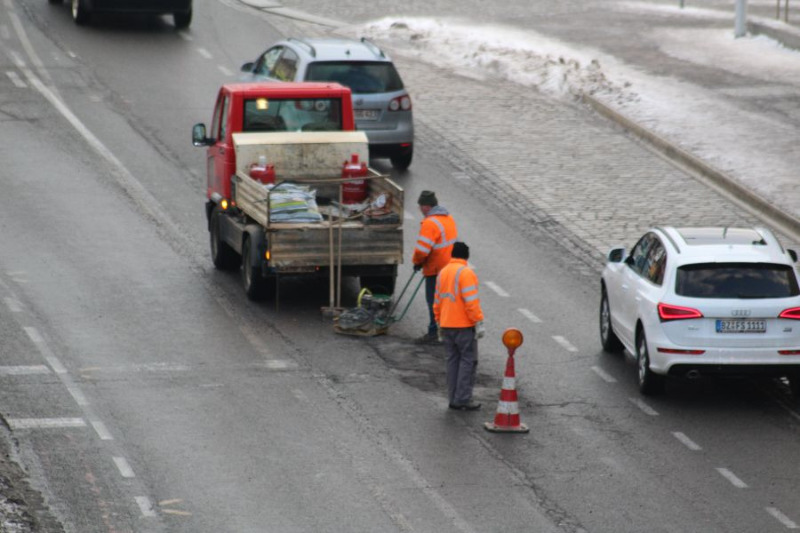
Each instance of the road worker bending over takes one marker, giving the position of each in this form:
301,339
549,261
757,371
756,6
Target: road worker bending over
437,234
457,309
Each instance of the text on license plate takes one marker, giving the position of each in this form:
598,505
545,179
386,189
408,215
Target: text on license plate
741,326
366,114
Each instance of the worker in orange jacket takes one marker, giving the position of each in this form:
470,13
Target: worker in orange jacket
437,234
457,309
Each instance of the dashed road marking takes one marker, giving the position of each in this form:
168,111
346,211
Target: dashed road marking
101,430
77,394
33,334
22,370
730,476
300,395
13,305
460,175
530,316
225,70
782,518
145,506
185,36
605,376
16,80
280,364
564,343
646,409
205,53
45,423
496,288
689,443
124,468
162,504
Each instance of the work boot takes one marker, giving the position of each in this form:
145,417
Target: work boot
469,406
428,338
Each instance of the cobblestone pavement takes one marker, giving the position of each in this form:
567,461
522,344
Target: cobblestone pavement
557,163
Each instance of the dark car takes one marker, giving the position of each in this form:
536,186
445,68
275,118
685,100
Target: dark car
181,10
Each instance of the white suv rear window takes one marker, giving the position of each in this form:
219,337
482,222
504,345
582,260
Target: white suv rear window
736,280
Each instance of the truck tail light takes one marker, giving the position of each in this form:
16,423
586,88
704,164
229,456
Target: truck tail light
793,313
668,312
224,204
401,103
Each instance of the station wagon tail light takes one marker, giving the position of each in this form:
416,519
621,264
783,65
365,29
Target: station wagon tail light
677,351
789,352
668,312
401,103
792,313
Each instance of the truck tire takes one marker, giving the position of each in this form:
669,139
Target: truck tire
378,284
223,256
256,286
80,14
182,20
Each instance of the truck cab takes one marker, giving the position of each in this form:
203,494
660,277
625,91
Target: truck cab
265,107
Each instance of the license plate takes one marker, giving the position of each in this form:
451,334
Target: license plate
366,114
741,326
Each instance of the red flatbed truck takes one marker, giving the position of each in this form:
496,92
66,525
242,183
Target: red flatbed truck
307,132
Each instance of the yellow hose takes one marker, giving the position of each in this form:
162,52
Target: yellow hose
362,293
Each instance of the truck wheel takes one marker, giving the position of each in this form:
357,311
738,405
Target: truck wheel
255,285
378,284
223,256
182,20
80,14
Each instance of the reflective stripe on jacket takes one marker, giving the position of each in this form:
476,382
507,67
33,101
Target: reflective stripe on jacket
456,304
437,234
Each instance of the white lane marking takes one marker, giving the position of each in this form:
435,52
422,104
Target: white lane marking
300,395
530,316
77,394
16,80
145,506
22,370
730,476
9,4
101,430
407,215
56,365
33,334
205,53
185,36
16,59
280,364
646,409
13,305
496,288
45,423
605,376
225,70
29,49
689,443
460,175
124,468
564,343
782,518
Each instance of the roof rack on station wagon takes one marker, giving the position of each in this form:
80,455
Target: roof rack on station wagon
311,49
372,46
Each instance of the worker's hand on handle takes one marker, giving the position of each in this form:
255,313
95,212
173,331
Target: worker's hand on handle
480,330
417,268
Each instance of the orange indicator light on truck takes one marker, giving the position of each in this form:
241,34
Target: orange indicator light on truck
224,204
512,338
266,255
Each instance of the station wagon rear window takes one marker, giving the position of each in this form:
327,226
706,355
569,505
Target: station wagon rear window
736,280
362,77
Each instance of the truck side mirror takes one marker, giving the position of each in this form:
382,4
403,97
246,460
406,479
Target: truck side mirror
792,254
248,67
199,135
616,255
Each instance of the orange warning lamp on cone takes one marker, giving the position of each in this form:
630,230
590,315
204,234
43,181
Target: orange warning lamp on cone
507,418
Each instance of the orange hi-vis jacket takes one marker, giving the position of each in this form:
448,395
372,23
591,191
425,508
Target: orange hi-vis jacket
456,304
437,234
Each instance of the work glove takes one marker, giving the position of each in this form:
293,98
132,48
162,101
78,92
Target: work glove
439,334
417,268
480,330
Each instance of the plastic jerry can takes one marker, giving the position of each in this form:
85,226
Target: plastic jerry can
354,191
262,172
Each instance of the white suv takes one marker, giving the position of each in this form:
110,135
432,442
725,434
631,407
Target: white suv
381,104
693,301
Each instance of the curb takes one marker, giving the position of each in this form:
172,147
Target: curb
786,222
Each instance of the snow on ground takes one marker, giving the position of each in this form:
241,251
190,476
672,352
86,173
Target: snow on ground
749,145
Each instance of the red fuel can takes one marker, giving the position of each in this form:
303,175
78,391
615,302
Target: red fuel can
262,172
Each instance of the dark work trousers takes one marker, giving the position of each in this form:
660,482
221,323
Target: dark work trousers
430,294
462,363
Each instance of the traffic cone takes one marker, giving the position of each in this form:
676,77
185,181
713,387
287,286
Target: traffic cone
507,418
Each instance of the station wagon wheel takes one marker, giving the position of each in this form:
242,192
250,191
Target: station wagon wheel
608,338
794,385
650,383
80,14
402,161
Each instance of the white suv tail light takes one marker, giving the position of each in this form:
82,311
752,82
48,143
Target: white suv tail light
668,312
